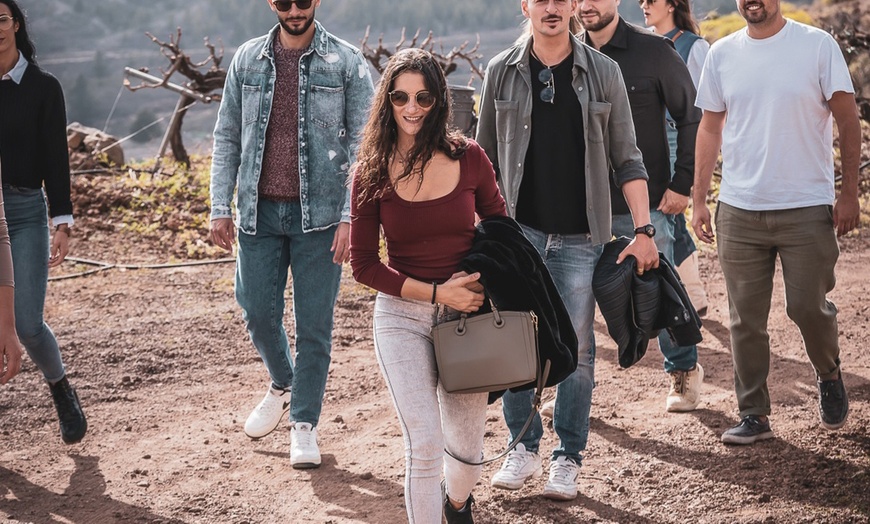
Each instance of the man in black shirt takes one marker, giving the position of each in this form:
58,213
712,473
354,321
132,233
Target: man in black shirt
657,80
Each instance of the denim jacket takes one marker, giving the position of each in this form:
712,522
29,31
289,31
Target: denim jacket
335,89
504,127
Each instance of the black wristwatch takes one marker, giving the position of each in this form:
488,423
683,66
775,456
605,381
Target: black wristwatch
648,230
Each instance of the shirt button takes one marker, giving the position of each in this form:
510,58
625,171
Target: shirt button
580,88
520,164
525,127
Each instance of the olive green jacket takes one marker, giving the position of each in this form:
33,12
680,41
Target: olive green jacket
505,119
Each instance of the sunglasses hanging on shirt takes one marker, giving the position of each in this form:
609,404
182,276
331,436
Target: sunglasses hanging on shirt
548,94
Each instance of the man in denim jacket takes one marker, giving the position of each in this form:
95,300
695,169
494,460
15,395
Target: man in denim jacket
556,123
293,105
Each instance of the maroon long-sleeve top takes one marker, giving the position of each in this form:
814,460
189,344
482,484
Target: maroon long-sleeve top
425,240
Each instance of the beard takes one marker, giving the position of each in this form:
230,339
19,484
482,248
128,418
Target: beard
754,17
604,20
297,32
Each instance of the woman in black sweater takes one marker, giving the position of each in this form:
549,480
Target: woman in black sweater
35,165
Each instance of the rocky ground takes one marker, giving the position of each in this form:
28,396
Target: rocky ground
167,377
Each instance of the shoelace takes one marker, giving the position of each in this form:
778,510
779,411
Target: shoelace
269,403
304,439
679,379
562,472
514,461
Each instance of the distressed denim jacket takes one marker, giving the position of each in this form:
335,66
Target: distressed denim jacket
505,121
335,89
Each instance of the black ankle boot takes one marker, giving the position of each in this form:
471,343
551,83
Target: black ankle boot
458,516
69,411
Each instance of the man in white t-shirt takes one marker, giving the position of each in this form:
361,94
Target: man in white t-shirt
779,83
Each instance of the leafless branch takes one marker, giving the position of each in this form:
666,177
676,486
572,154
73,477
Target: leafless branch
379,55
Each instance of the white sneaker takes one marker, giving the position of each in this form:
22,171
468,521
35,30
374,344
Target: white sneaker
562,484
304,453
519,466
685,393
268,413
548,408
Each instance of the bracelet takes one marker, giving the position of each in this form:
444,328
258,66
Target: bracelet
434,290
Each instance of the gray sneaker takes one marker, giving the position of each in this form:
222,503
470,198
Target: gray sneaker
750,429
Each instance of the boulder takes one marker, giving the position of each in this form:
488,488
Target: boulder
84,139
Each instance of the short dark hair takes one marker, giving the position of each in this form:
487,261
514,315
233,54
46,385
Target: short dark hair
22,39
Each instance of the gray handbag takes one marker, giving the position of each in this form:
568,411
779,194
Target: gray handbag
490,352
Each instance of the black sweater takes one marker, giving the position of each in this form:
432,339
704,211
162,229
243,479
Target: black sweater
33,143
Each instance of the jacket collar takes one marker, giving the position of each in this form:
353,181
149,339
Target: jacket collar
520,53
619,38
320,42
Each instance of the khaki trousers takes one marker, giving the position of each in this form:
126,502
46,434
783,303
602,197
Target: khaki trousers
748,244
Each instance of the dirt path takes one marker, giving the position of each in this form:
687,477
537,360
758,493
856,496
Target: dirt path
167,376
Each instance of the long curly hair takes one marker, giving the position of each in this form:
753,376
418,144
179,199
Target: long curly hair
22,39
380,135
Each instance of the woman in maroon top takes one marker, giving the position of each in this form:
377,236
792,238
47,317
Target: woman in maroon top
422,184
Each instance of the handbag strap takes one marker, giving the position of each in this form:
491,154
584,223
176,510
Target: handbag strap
536,406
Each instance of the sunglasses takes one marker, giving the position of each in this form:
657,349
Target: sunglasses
647,2
548,94
286,5
424,99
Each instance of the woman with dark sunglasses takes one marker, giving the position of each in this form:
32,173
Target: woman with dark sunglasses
422,183
35,171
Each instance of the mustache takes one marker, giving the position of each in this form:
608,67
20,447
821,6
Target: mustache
589,12
552,18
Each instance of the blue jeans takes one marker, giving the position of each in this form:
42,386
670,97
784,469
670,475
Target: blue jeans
677,358
571,261
28,233
261,277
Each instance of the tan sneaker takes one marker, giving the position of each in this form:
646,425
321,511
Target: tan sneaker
685,393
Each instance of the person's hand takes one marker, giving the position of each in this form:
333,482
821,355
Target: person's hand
471,285
341,244
644,250
673,203
702,224
10,355
457,294
59,246
847,213
223,233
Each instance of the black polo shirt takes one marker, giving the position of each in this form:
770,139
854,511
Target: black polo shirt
656,80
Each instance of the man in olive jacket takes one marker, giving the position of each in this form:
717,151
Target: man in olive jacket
556,124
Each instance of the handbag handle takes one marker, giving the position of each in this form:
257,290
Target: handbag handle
499,322
536,406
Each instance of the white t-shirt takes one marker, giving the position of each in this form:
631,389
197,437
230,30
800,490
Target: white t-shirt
777,143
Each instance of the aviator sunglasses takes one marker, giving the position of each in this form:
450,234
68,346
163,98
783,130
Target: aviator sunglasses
548,94
399,98
286,5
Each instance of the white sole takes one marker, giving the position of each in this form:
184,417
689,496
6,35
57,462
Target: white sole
513,487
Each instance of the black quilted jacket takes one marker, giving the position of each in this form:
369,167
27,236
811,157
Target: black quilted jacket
636,307
516,279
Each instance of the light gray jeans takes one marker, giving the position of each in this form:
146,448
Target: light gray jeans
431,418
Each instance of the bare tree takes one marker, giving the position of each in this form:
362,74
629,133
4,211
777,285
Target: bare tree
379,56
203,78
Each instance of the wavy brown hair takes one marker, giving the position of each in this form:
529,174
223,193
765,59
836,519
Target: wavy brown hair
379,139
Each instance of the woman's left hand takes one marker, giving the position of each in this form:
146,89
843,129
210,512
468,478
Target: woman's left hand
473,285
59,247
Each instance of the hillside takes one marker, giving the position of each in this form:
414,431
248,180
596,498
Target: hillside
87,44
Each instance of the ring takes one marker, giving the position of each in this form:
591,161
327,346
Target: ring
640,271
